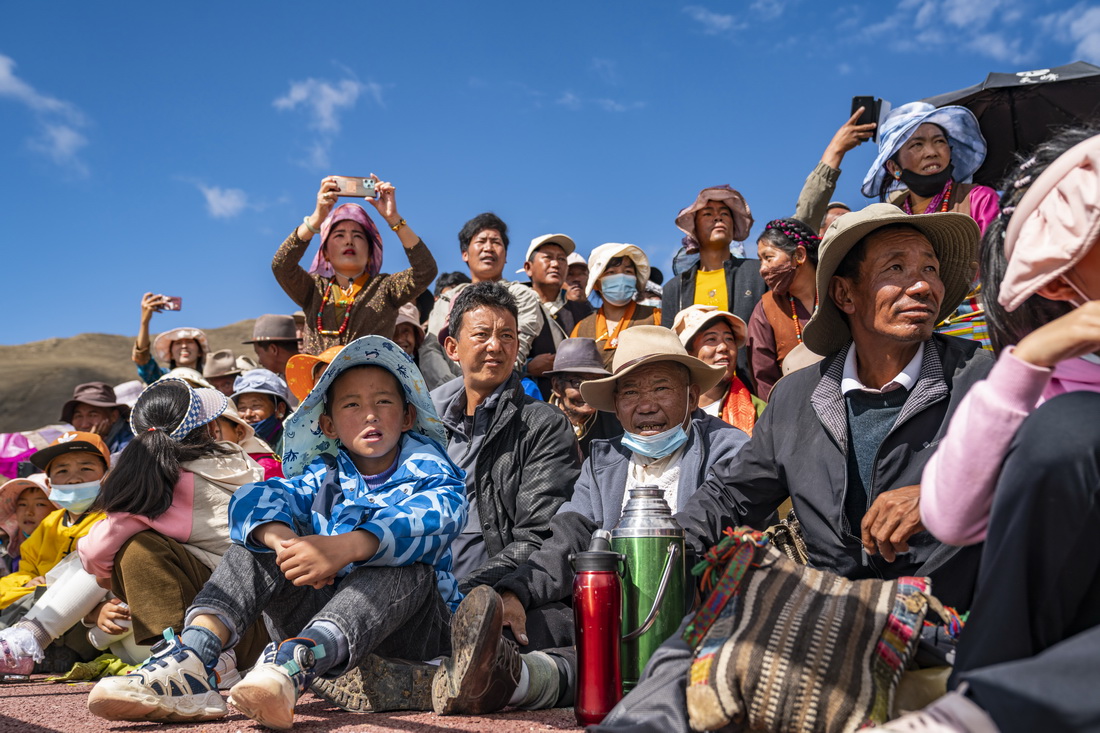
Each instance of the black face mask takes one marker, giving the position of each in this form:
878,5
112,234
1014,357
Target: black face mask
927,185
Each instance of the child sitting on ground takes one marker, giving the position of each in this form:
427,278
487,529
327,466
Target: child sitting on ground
74,463
24,503
348,558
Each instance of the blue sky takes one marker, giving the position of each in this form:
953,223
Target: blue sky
172,147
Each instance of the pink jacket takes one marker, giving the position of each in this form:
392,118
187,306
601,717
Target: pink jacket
959,480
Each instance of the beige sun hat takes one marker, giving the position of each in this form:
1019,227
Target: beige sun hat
597,263
691,320
562,240
162,346
954,237
641,345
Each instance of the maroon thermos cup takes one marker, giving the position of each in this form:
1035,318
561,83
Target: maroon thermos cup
597,616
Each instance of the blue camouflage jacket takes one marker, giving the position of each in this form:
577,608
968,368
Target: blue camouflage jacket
415,514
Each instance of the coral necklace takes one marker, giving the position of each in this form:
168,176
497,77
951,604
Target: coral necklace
347,309
794,315
942,203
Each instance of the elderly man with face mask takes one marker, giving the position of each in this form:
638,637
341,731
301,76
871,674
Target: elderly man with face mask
847,439
668,441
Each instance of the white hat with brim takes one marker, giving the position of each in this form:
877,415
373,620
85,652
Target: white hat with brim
641,345
562,240
597,263
303,439
162,346
954,237
691,320
963,133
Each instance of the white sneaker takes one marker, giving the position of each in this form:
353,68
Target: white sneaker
226,670
952,713
269,691
172,685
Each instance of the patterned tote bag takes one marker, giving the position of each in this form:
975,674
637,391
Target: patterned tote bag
780,646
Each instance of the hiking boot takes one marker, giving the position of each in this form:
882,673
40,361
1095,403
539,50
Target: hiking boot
380,684
269,691
484,669
171,685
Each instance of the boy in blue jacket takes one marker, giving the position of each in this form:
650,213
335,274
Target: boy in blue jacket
348,558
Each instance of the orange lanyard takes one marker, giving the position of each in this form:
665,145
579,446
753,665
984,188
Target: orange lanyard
601,326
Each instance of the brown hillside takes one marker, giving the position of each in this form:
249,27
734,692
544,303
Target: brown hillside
38,378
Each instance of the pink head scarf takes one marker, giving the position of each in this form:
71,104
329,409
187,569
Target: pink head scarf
1055,224
356,213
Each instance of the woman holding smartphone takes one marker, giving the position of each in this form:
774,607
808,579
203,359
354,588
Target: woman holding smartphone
344,295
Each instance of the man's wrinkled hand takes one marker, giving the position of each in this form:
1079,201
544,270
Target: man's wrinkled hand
893,518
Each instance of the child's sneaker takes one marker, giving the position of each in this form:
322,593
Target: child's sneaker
269,691
172,685
226,670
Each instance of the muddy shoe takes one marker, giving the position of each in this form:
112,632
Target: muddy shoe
484,669
380,684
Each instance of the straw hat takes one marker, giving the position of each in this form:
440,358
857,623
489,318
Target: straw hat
954,238
691,320
641,345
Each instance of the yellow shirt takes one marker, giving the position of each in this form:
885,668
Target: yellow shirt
710,288
48,545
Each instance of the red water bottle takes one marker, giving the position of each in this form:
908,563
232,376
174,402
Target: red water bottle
597,616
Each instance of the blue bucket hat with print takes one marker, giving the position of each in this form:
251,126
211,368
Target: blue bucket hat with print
965,137
303,439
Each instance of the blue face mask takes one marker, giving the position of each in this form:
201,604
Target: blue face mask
75,497
267,427
618,289
659,445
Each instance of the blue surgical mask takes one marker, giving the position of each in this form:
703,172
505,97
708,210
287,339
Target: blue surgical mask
656,446
267,427
75,497
618,289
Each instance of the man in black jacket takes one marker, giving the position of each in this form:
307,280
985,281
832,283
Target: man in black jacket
847,438
731,283
519,454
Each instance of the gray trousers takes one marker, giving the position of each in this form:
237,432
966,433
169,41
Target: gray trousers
390,611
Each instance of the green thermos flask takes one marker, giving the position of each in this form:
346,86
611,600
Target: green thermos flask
654,601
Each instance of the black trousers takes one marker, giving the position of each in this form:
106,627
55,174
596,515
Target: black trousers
1037,601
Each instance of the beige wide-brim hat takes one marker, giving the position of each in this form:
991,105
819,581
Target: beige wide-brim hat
562,240
641,345
954,237
162,346
597,263
691,320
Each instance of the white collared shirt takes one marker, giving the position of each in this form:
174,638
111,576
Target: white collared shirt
849,380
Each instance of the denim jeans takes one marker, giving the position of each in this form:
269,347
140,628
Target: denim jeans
389,611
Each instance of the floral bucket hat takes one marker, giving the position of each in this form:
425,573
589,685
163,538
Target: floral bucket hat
303,440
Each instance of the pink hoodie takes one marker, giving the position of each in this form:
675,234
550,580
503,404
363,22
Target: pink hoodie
960,478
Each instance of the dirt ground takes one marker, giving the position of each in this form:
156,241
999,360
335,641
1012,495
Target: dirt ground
38,378
38,706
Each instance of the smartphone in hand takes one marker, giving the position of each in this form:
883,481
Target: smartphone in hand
873,111
173,303
357,187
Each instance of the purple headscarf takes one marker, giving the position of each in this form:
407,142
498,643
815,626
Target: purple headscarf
356,213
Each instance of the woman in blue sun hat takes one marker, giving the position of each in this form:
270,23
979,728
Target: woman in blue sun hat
926,159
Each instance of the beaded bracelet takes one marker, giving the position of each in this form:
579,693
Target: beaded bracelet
398,225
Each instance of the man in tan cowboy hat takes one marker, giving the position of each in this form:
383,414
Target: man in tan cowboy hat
718,217
847,438
654,391
275,340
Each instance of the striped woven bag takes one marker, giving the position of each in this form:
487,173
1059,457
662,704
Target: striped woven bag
780,646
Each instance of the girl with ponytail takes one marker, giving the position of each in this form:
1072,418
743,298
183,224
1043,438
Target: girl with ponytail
167,503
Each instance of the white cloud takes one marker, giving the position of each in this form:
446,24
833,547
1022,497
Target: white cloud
713,23
767,9
569,100
224,203
1080,25
611,105
1000,48
59,122
322,100
606,69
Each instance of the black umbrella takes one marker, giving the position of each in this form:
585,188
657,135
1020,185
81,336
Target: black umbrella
1017,111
